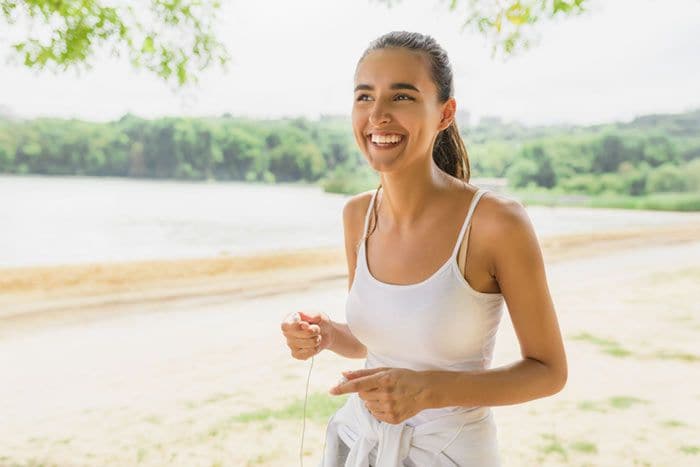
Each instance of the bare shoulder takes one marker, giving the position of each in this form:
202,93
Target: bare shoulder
353,221
354,213
499,214
507,231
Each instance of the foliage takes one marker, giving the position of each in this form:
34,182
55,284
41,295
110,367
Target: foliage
509,25
630,160
175,39
172,38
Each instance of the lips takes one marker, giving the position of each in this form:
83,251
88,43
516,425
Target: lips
385,147
384,133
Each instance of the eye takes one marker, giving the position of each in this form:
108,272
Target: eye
361,96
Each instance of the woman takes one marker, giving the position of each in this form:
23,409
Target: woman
424,308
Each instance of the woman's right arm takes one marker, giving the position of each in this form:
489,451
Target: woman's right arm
344,343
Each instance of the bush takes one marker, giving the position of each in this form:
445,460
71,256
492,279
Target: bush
667,177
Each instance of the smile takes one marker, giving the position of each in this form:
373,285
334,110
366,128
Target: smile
387,145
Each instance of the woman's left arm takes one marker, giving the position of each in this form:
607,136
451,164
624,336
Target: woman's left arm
518,266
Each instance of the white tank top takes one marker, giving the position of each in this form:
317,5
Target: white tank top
440,323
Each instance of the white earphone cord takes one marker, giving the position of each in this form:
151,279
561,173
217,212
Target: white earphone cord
303,428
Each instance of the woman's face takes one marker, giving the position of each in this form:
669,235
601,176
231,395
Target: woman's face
394,94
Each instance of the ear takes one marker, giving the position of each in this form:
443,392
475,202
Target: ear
448,113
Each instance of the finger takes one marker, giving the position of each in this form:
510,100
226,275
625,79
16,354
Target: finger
301,330
304,352
303,342
363,372
306,329
364,383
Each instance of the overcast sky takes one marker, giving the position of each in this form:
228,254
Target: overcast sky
291,58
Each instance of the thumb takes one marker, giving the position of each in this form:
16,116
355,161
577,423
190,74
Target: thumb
316,318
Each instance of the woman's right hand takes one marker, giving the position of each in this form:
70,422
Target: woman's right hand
307,333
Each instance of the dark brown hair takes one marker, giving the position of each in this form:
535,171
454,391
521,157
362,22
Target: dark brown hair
449,151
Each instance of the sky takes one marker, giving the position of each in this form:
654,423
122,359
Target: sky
622,59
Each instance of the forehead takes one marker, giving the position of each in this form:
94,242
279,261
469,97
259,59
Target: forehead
382,67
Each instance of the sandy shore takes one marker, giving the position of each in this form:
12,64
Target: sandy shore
183,363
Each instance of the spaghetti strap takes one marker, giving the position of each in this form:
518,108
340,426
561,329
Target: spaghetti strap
475,199
369,210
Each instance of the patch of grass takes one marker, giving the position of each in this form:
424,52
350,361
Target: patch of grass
141,454
608,346
616,402
624,402
673,355
673,423
617,351
585,447
692,450
319,407
552,446
154,419
591,406
264,458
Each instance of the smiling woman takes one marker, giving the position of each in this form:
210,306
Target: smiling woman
426,293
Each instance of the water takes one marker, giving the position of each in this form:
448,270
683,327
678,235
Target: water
61,220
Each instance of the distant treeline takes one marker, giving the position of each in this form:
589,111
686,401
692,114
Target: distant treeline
651,154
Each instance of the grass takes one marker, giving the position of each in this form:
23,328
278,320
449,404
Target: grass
584,447
673,423
553,446
672,355
615,402
692,450
319,408
614,349
608,346
654,201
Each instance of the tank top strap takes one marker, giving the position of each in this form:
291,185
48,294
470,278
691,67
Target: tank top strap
369,211
475,199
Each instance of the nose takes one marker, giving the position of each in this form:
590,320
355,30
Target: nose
378,115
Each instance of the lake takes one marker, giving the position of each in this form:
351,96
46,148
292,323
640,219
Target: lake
63,220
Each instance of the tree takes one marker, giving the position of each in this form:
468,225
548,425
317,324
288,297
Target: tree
175,40
509,24
171,38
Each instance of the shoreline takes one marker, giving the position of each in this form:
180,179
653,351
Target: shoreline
30,290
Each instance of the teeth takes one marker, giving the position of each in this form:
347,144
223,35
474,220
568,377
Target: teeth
386,139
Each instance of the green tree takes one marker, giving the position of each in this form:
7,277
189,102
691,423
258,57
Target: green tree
509,25
175,38
172,38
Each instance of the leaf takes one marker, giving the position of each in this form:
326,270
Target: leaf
148,46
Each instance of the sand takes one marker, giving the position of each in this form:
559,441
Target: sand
183,362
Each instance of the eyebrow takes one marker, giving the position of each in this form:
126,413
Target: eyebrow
367,87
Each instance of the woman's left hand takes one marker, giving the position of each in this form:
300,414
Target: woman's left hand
390,394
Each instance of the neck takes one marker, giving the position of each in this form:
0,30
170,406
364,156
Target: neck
409,194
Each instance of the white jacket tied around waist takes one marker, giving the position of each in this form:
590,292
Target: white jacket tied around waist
471,438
